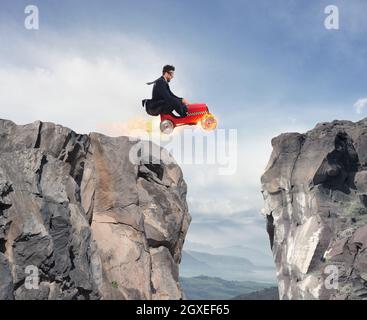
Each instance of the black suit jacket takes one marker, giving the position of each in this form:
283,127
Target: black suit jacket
162,94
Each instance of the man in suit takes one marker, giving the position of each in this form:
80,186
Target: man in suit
163,100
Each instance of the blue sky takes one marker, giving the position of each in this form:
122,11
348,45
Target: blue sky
264,67
272,57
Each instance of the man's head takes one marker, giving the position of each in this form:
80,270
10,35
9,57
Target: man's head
168,72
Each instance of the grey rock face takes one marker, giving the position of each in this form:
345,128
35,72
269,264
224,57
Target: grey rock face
315,192
79,220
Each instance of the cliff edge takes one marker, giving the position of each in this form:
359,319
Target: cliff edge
79,220
315,192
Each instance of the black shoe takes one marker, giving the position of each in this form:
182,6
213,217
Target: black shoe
143,102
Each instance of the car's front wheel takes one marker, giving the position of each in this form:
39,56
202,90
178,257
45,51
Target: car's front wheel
208,122
167,126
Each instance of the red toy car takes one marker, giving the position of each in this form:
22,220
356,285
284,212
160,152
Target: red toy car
196,113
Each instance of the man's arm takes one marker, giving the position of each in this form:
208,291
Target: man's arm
166,93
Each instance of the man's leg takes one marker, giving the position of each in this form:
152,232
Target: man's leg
181,110
154,108
167,109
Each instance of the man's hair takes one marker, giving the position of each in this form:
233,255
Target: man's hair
168,68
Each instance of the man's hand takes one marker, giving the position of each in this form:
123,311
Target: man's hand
184,101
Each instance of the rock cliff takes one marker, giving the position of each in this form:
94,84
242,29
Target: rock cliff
79,220
315,192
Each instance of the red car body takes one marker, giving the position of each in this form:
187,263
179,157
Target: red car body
196,113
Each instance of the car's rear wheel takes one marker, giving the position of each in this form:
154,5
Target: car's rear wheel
208,122
167,126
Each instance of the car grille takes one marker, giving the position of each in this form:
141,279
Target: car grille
196,113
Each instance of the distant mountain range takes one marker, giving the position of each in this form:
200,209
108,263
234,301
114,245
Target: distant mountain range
264,294
212,288
227,267
256,256
233,272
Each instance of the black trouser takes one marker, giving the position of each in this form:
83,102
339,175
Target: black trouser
180,109
168,108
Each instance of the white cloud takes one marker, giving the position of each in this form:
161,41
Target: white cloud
360,105
212,194
227,232
214,206
88,83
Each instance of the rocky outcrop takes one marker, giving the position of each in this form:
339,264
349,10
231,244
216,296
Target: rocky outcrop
315,191
80,220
